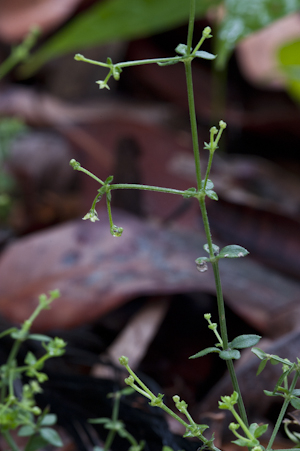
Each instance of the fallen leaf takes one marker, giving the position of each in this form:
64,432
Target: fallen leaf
96,272
257,54
18,17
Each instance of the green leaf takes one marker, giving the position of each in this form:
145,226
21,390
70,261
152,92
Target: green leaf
246,442
102,420
36,443
270,393
51,436
216,248
280,380
295,403
181,49
259,353
39,337
244,17
233,251
8,331
209,184
244,341
204,352
26,431
260,430
296,392
115,20
205,55
211,194
261,366
289,60
30,359
49,420
230,354
109,180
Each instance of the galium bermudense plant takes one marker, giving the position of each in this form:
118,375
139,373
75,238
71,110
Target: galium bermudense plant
18,409
228,351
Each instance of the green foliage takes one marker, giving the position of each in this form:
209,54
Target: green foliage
289,60
10,128
115,426
243,18
113,20
21,412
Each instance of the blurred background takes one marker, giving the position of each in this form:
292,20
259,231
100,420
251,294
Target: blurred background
141,293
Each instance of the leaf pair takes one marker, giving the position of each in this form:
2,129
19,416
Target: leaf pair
240,342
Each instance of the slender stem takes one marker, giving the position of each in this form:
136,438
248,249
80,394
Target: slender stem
211,155
221,311
146,188
174,59
80,168
242,424
191,25
10,441
282,413
115,413
193,120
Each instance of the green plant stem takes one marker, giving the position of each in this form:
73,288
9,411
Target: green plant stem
112,433
85,171
221,311
10,441
20,53
191,25
146,188
215,265
193,120
282,412
174,59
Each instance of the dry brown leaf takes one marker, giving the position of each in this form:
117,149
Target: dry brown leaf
134,340
96,272
17,17
257,53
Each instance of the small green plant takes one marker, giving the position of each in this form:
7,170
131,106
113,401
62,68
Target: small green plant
18,409
227,350
116,426
11,127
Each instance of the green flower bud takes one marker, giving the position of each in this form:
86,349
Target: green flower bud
75,165
123,360
207,32
129,380
222,124
36,410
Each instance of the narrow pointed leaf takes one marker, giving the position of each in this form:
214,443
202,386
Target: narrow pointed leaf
211,194
261,366
260,430
39,337
259,353
205,55
204,352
